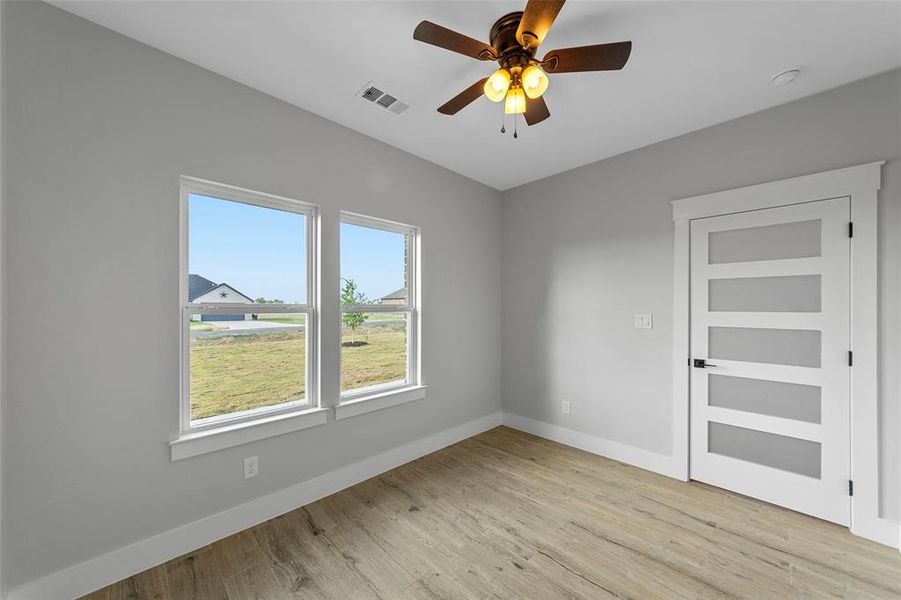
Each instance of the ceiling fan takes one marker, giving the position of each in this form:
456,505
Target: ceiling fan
521,79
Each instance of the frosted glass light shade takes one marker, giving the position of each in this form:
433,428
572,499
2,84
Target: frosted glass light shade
497,85
534,82
516,102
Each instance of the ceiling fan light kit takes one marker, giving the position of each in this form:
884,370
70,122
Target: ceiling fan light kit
521,80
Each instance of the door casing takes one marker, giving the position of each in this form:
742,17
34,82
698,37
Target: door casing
861,183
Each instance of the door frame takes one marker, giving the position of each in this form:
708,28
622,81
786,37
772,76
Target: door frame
861,183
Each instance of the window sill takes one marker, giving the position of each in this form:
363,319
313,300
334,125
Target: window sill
211,440
378,401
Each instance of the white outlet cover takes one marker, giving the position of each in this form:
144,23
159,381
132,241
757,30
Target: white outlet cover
644,320
251,467
567,408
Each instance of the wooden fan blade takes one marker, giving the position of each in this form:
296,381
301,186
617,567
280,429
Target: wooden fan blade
536,110
602,57
449,39
464,98
536,21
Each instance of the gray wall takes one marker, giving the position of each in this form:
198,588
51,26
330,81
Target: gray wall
2,308
586,249
99,127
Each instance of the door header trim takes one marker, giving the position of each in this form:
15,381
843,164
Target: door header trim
797,190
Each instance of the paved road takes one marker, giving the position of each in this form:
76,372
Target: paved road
252,327
245,327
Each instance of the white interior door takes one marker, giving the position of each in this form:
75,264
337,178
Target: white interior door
770,325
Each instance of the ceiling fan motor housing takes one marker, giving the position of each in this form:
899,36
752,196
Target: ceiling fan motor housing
502,36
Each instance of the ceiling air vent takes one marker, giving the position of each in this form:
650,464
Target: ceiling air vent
372,93
398,107
387,101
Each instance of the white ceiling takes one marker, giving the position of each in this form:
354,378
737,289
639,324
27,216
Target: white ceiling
693,64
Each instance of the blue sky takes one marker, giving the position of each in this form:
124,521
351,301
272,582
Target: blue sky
373,258
262,252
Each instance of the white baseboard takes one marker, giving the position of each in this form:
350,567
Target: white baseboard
883,531
877,529
631,455
98,572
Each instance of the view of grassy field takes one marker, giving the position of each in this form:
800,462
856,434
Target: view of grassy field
255,369
205,326
231,373
381,357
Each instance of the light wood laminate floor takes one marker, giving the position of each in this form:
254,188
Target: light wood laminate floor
509,515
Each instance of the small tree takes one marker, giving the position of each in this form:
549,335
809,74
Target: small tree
350,296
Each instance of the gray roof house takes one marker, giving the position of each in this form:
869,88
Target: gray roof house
201,289
398,297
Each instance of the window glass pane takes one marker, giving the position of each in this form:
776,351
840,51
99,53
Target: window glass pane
241,362
774,398
764,448
770,242
791,293
374,263
373,349
798,347
243,253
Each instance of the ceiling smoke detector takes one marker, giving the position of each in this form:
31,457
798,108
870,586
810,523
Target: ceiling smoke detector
786,77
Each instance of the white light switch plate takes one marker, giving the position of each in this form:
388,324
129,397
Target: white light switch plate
644,320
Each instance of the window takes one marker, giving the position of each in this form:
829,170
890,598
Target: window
248,319
379,307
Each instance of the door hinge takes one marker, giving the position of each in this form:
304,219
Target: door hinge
850,358
851,229
850,487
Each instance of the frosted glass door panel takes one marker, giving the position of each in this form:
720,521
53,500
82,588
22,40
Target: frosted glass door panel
763,397
764,448
797,347
770,334
769,242
789,293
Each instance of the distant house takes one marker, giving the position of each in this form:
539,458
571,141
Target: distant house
395,298
201,289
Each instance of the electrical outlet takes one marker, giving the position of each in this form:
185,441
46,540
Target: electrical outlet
251,467
644,321
566,407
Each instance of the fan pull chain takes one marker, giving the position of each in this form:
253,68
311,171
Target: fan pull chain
503,129
515,134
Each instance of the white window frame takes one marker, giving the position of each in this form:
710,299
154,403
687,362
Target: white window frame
374,397
272,419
